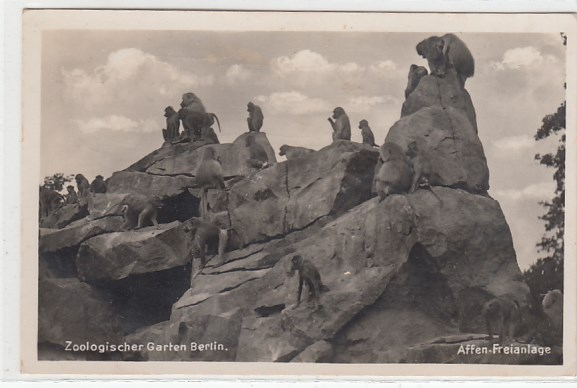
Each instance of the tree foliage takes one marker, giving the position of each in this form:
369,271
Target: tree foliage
57,181
547,272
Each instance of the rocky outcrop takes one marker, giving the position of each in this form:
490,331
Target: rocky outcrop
115,256
406,276
183,159
64,216
163,186
393,283
440,116
294,194
54,240
445,92
69,310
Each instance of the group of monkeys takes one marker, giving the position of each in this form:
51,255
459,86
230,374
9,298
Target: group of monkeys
197,122
399,172
51,200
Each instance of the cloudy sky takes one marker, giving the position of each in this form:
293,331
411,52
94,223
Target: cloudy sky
103,100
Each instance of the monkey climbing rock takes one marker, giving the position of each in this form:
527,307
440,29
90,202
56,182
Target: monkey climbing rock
309,275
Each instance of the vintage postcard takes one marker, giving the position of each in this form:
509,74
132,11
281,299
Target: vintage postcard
301,194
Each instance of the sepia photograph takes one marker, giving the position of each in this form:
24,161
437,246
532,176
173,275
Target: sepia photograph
320,192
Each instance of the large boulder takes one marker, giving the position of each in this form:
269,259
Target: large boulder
63,216
294,194
415,261
151,184
72,311
445,92
115,256
184,159
54,240
169,151
439,116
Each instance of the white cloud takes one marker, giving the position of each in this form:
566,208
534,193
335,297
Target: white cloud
351,67
515,143
303,61
522,57
536,191
293,103
305,69
364,104
308,62
237,73
128,73
116,123
383,68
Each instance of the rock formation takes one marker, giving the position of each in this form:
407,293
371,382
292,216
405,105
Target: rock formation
407,276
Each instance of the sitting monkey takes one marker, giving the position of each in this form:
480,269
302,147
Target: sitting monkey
415,75
341,124
447,52
98,185
255,117
367,133
71,197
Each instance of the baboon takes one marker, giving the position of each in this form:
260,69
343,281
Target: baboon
341,124
209,238
258,157
98,185
553,308
187,131
432,49
138,211
194,117
422,169
458,57
367,134
207,133
454,54
292,152
71,197
209,175
502,316
191,102
415,75
394,175
50,200
83,187
197,125
255,117
307,273
172,131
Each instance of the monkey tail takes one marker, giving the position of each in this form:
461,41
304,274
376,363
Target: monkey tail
109,211
218,122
